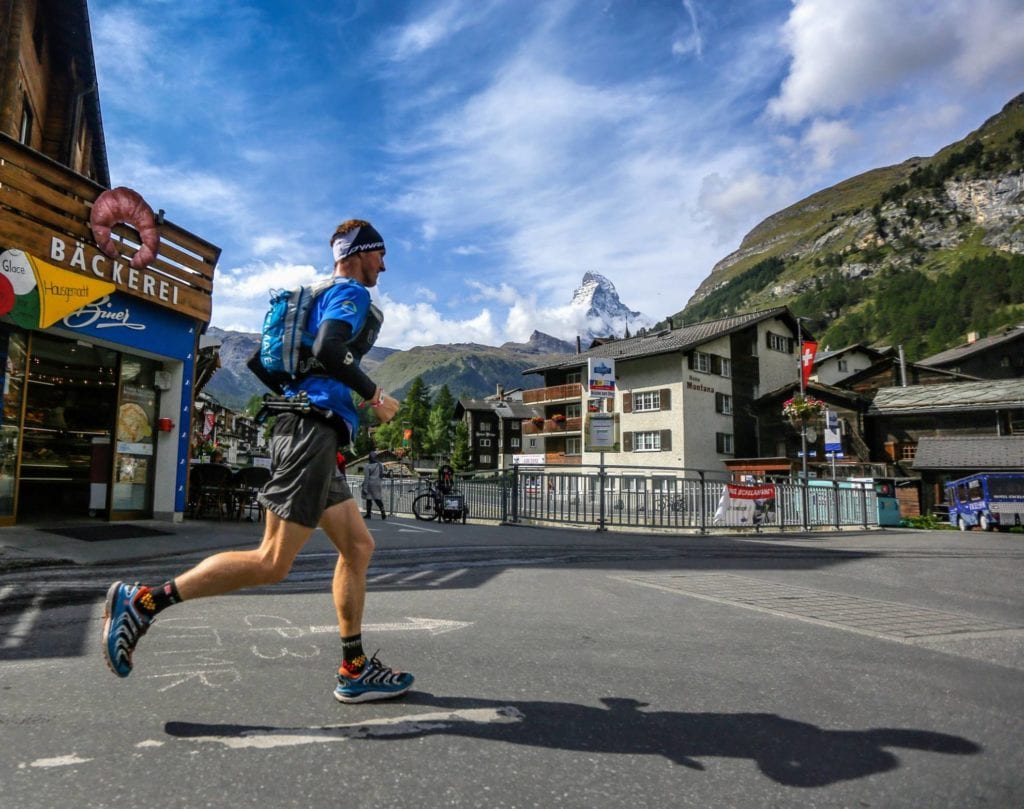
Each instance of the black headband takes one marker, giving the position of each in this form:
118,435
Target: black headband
358,240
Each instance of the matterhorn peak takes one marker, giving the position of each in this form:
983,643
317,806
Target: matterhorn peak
600,311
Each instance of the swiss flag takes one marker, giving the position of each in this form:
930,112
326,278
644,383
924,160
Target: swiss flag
807,352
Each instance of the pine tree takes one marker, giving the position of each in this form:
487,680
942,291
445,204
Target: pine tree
462,460
439,425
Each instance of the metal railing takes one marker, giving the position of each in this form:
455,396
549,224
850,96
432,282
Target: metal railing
610,497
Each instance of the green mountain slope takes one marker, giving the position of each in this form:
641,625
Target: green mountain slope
916,254
469,370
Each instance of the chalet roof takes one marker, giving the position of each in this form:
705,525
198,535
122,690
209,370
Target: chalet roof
980,452
665,341
964,350
515,410
874,353
990,395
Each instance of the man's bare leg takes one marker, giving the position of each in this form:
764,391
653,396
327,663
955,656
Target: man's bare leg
344,526
233,570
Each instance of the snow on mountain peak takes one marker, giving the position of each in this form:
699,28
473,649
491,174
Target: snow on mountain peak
601,313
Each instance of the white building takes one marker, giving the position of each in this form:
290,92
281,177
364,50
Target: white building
682,399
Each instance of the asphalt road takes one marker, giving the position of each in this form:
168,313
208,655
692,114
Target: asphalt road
554,669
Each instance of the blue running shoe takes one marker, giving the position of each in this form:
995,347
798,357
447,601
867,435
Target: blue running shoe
123,625
375,681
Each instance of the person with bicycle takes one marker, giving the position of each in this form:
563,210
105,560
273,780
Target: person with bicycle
305,489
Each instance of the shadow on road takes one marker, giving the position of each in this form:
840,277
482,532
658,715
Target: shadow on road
790,752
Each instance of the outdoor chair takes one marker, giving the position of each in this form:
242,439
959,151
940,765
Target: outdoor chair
246,485
210,490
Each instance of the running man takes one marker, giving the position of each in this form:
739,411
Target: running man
305,489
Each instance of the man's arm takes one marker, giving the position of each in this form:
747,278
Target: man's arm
331,348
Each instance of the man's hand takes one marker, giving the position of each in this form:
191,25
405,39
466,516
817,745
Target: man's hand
387,408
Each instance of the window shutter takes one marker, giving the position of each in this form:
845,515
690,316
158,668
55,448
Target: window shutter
666,398
791,343
610,404
716,364
719,401
627,442
768,339
627,402
666,440
689,360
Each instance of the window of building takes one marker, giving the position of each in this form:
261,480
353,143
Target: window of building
842,365
25,130
573,410
906,452
702,362
485,459
726,366
513,425
723,443
573,446
533,443
514,443
723,404
647,442
484,442
779,342
485,427
574,377
647,401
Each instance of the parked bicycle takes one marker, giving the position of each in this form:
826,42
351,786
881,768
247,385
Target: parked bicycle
434,504
670,502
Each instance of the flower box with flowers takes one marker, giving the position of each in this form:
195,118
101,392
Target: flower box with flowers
537,421
558,419
802,409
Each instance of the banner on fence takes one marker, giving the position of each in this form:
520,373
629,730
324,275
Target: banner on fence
743,504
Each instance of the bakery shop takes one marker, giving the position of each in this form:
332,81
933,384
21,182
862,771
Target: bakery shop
102,298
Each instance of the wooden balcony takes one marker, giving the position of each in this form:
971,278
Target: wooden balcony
550,427
556,393
44,211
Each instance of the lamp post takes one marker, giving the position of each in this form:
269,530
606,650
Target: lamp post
803,424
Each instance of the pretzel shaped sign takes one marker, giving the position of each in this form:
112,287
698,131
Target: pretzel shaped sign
125,205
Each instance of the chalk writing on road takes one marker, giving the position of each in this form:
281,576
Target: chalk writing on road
192,652
272,631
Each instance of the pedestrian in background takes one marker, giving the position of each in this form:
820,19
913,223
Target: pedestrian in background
373,478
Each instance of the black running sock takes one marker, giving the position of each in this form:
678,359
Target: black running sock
352,653
152,600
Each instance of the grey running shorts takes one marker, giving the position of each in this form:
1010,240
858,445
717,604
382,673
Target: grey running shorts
304,479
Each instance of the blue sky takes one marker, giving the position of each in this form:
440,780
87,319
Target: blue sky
505,147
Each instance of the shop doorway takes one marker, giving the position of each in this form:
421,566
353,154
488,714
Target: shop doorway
67,429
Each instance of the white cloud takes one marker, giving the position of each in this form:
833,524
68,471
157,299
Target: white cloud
825,138
253,282
420,324
845,55
731,202
690,41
